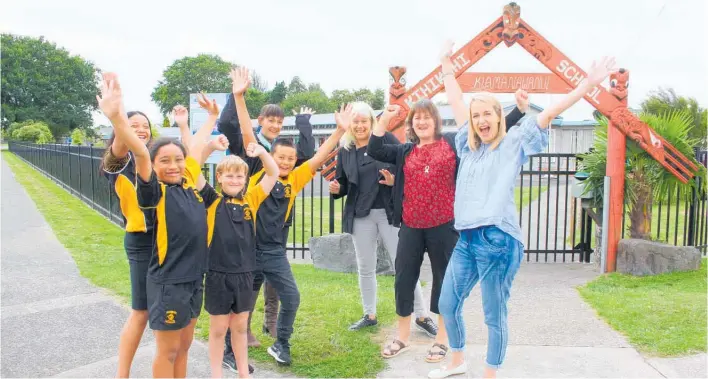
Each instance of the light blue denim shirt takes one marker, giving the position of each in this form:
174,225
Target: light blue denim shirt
484,194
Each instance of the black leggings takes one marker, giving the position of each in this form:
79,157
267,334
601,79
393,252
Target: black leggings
439,241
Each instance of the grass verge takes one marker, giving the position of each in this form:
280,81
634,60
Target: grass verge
662,315
322,345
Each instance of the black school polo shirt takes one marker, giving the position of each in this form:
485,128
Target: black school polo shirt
231,233
180,248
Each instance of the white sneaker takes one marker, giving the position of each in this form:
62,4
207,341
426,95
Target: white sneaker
444,372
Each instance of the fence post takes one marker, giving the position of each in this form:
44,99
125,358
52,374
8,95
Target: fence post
692,214
331,214
93,186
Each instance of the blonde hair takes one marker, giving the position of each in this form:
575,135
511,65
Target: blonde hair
473,140
232,163
362,109
423,105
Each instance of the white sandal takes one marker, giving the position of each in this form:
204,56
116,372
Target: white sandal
444,372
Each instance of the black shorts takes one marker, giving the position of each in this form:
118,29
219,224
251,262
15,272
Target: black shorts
173,306
228,293
138,247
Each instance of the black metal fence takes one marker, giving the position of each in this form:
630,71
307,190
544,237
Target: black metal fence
556,228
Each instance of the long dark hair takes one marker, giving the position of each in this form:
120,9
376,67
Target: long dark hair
159,143
113,136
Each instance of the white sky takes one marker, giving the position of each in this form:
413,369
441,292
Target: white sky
352,44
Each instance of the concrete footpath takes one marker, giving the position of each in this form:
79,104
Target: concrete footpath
54,323
553,333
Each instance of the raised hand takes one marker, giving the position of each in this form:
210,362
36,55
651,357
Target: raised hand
522,100
344,117
334,187
181,115
599,71
210,105
110,101
388,177
304,110
220,143
446,51
389,112
255,150
240,80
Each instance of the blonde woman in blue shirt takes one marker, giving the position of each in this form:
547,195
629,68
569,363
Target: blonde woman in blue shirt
489,250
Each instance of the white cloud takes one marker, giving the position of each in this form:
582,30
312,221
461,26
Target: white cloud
351,45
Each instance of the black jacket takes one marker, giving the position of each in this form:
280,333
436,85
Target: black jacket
230,127
348,177
396,154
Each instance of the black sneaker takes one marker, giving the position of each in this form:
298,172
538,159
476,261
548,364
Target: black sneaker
363,323
427,326
230,363
280,352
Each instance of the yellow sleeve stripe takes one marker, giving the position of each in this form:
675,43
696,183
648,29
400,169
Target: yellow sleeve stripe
161,227
211,219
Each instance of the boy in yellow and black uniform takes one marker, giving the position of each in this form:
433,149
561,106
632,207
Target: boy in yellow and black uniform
178,262
231,220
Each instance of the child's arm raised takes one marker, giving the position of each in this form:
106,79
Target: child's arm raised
598,73
111,103
344,119
240,82
201,137
181,116
271,168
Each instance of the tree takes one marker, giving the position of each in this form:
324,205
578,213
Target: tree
37,132
278,94
78,137
344,96
664,101
296,86
645,178
255,100
207,73
41,81
316,100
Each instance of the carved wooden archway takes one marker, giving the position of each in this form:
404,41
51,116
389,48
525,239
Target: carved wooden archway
511,29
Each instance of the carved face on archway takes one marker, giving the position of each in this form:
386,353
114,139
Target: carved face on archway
619,82
397,81
511,18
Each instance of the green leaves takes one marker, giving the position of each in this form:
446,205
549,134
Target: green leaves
43,82
31,131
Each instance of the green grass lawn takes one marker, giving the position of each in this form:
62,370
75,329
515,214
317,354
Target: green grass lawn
662,315
316,225
322,345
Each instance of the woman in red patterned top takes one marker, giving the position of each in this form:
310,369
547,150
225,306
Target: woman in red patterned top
423,200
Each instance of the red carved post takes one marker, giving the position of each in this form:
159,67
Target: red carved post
616,157
396,92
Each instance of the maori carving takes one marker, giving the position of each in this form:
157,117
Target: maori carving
537,46
619,83
512,18
397,87
485,42
636,130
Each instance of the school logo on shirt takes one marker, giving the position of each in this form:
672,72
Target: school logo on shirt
247,214
287,190
170,317
199,197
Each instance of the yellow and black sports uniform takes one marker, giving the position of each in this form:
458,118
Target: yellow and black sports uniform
271,260
231,225
178,261
138,239
274,214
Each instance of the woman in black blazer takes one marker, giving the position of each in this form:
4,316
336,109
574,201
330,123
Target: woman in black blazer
368,212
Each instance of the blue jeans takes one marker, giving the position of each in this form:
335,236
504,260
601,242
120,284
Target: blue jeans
492,257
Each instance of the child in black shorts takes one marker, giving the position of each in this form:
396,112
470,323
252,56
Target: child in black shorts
231,220
168,181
